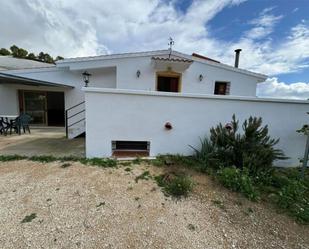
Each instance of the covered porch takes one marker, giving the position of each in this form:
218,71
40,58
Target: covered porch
47,141
43,101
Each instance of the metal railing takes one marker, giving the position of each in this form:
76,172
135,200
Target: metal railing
68,117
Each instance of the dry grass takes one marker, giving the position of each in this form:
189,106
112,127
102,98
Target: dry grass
89,207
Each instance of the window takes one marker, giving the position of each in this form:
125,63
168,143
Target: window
169,82
222,88
130,148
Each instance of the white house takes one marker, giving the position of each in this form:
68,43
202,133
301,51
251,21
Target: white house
152,102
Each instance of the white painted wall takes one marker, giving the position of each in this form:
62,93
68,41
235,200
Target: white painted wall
103,77
241,84
141,115
8,101
121,73
9,104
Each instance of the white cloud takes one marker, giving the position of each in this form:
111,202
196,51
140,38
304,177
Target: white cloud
74,28
263,24
273,88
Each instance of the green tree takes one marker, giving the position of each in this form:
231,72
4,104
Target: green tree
58,58
48,58
31,56
18,52
14,49
4,51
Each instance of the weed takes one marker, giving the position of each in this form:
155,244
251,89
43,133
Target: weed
130,188
175,185
125,163
8,158
191,227
100,162
294,198
238,180
128,169
137,198
218,203
248,211
43,159
169,159
144,176
65,165
29,218
137,160
101,204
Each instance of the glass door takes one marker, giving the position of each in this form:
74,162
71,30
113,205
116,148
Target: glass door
35,106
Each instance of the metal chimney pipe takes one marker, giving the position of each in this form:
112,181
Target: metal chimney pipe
237,51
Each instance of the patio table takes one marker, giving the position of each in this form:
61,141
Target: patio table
6,122
8,116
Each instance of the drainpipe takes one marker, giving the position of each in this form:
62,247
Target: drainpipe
237,51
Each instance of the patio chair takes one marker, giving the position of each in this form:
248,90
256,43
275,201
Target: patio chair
13,125
2,127
25,120
21,122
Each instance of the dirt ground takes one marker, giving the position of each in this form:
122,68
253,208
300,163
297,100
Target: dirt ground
90,207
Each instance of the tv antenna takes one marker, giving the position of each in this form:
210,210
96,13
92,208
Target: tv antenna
170,44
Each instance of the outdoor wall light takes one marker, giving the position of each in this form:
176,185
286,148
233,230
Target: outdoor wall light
86,76
229,127
201,77
168,126
138,73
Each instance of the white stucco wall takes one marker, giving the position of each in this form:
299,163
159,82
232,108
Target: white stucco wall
241,84
9,104
141,115
103,77
121,73
8,101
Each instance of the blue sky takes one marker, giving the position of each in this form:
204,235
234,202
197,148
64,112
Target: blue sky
273,34
232,22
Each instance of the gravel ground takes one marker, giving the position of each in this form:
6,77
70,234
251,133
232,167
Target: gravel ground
89,207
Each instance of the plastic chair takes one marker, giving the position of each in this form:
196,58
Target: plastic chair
24,121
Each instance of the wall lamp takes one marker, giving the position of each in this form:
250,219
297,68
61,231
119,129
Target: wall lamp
201,77
138,73
86,76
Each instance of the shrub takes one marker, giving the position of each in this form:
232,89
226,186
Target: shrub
294,198
177,159
43,159
252,149
144,176
100,162
8,158
238,180
206,154
175,185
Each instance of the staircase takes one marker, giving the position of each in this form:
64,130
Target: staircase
75,120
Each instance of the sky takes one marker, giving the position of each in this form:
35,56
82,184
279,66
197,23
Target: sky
273,34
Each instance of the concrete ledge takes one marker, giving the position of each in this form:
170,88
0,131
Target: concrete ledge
190,95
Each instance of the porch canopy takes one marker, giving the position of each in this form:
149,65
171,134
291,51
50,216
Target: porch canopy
14,79
171,63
